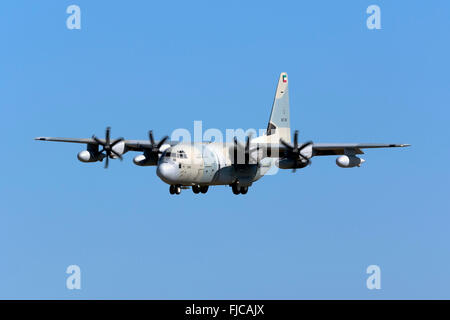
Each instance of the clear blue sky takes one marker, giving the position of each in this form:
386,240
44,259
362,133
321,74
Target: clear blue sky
144,65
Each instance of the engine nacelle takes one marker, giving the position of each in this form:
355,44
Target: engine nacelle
143,161
287,163
87,156
119,148
349,161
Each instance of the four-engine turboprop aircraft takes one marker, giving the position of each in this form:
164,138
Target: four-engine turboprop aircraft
203,164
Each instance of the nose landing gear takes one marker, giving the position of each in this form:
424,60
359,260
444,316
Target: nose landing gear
175,189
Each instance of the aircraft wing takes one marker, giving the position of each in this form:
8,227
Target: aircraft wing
326,149
130,145
330,149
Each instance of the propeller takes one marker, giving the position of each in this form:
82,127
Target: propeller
246,150
154,148
294,152
108,146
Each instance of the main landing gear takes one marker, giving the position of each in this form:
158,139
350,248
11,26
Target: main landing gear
237,189
197,189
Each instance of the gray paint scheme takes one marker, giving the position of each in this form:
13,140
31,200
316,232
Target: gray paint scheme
212,164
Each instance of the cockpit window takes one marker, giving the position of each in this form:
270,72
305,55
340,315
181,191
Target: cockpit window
181,154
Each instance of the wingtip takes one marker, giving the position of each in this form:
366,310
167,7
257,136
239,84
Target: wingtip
400,145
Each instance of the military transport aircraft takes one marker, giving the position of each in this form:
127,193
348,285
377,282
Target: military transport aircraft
199,165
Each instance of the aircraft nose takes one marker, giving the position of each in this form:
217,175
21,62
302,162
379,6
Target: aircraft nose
168,172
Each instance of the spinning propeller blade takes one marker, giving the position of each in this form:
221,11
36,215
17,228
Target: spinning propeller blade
294,152
107,149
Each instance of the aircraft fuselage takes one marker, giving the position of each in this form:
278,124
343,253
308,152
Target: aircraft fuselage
207,164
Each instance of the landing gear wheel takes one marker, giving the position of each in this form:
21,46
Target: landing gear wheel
177,189
204,189
236,189
196,189
172,189
244,190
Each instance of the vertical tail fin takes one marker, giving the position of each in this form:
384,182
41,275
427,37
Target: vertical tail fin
279,122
